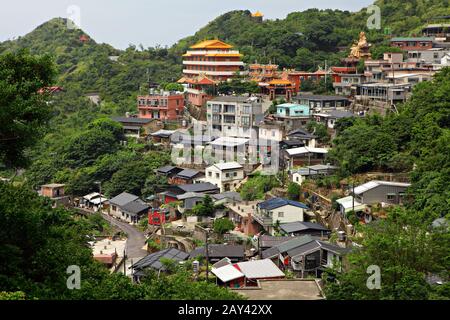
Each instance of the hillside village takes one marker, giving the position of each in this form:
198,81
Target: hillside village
250,175
302,225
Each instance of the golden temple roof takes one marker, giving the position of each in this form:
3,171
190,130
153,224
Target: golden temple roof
211,44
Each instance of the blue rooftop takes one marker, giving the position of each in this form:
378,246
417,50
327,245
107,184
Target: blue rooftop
280,202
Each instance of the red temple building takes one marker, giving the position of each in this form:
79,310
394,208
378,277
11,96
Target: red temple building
163,106
205,65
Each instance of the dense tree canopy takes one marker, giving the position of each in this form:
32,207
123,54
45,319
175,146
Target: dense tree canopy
24,111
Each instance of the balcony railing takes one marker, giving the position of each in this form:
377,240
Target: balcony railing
265,221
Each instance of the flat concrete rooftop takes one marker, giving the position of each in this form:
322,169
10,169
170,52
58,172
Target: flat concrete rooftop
284,290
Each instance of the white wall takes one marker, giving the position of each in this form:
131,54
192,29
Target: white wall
221,179
290,214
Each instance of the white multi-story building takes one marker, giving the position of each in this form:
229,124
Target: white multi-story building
225,176
234,116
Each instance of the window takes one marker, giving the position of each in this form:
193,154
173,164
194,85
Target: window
217,175
280,214
210,174
235,174
391,197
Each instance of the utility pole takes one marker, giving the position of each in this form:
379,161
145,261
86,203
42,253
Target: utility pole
99,183
124,263
207,255
353,195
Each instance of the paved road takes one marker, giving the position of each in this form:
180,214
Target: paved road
135,239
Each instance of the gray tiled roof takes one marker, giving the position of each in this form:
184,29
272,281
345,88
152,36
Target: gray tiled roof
135,207
198,187
188,173
154,260
301,226
123,199
139,121
220,251
286,246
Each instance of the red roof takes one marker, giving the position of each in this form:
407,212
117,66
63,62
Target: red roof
205,81
50,90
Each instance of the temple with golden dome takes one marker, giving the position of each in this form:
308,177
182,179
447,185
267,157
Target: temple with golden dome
258,16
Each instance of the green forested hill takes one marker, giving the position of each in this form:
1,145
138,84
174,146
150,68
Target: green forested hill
303,40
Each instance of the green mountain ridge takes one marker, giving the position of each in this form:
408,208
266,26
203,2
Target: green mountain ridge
303,40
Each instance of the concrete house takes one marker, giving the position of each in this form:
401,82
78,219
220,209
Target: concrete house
278,211
225,176
234,116
305,255
297,157
311,172
128,207
387,192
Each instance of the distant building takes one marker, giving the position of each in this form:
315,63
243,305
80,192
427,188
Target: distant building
187,176
258,16
241,213
232,116
56,192
311,172
206,64
329,118
293,115
375,192
301,228
305,156
128,207
306,256
217,252
137,127
320,102
278,210
438,30
225,176
412,43
383,92
153,261
162,106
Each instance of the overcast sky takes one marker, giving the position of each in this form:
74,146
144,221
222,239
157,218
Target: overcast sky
150,22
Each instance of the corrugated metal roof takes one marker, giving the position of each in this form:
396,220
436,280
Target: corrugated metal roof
305,150
227,273
373,184
260,269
